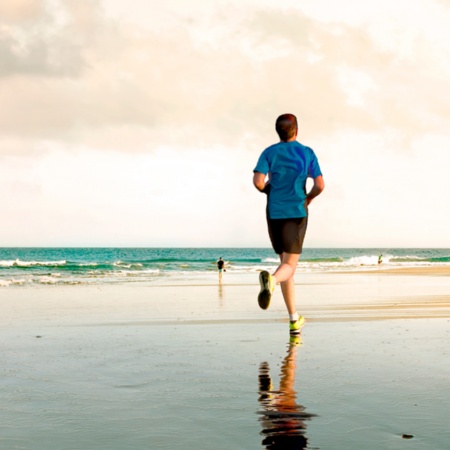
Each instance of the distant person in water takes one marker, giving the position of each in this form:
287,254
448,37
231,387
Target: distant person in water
281,173
380,259
221,268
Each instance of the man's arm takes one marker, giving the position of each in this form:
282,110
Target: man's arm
318,187
259,181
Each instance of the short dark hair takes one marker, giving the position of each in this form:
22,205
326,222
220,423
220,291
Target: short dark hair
286,126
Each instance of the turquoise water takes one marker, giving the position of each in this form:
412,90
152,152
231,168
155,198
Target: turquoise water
34,266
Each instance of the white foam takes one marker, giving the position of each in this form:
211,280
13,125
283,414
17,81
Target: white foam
411,257
271,260
47,280
136,273
126,265
19,263
252,269
5,263
12,281
365,260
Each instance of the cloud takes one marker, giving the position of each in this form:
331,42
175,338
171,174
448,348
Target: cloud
80,76
50,45
20,11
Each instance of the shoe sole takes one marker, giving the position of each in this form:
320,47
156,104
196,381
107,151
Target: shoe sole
265,295
297,332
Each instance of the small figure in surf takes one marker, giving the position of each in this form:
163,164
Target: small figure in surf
380,259
221,268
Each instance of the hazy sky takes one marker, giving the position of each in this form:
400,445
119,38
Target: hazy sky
139,122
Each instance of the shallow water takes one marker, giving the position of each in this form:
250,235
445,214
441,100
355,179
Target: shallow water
25,267
198,386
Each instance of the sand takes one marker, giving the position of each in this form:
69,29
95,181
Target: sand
443,271
168,367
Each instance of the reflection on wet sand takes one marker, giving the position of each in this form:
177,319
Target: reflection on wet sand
282,418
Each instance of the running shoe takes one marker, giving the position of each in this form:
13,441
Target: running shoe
296,327
267,287
295,340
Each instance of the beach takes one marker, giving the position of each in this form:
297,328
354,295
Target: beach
160,160
196,365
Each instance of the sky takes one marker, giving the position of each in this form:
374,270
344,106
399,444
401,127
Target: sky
138,123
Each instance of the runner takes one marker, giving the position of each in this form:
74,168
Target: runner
281,173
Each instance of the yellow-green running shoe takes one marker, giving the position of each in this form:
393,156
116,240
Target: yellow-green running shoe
295,340
296,327
267,287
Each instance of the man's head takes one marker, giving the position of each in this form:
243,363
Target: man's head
286,126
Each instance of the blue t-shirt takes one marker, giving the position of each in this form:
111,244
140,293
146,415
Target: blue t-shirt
288,164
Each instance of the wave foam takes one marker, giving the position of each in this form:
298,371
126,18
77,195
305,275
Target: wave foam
366,260
19,263
126,265
271,260
12,281
48,280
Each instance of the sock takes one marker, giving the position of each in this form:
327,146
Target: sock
293,317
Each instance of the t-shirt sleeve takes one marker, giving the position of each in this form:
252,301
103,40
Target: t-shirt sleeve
262,165
314,168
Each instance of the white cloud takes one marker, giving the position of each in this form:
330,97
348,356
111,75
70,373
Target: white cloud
112,107
21,11
78,72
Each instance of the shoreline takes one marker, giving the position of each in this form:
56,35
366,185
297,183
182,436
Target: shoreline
320,297
210,277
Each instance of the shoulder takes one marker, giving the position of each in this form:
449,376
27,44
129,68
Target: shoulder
305,148
275,149
271,149
308,151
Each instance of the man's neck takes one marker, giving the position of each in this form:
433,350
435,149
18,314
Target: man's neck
292,139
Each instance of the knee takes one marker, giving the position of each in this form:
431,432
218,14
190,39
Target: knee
291,267
291,260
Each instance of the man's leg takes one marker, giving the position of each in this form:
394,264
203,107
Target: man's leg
285,276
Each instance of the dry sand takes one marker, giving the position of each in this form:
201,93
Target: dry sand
168,367
443,271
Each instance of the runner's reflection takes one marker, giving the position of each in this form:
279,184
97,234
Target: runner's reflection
282,419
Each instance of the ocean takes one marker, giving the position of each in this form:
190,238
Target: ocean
74,266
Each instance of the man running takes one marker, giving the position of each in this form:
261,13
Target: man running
281,173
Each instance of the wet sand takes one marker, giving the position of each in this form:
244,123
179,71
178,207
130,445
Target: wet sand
199,366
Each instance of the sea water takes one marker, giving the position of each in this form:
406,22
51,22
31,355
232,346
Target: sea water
37,266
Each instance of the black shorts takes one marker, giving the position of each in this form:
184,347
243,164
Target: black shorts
287,235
